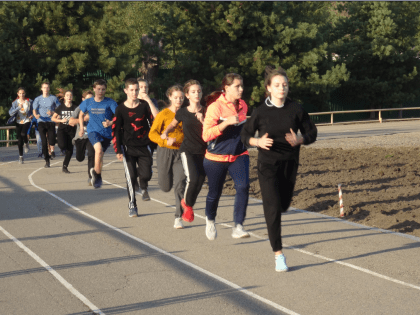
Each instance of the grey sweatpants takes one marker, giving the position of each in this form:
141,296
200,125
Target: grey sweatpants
171,173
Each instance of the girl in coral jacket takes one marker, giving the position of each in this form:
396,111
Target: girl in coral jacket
169,165
22,107
278,120
222,126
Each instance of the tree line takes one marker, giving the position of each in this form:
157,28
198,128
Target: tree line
369,51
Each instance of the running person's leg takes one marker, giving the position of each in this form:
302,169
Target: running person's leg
195,176
239,171
43,130
25,136
131,177
38,142
91,158
69,150
164,166
81,145
51,137
96,140
277,184
19,128
179,183
144,170
216,175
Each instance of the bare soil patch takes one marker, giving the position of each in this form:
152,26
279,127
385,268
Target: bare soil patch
381,185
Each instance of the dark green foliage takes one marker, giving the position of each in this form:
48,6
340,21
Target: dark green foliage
206,40
60,42
379,43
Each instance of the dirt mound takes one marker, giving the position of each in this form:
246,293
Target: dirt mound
381,186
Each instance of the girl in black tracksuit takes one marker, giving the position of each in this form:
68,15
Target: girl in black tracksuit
193,146
278,120
65,132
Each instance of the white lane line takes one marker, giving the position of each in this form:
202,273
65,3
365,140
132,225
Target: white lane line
303,251
63,281
208,273
7,163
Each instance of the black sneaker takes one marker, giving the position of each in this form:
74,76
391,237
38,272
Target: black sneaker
47,163
132,210
65,170
145,196
52,155
89,181
96,178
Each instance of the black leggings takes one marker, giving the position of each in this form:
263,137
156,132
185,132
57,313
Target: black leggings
277,183
64,140
194,171
44,128
21,132
81,146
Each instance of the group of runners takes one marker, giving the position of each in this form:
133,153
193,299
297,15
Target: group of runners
193,142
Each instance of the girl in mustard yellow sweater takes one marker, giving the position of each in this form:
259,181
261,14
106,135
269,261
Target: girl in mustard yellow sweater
170,170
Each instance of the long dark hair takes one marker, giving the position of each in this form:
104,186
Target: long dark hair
227,80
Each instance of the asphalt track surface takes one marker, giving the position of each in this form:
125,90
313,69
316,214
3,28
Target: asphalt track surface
67,248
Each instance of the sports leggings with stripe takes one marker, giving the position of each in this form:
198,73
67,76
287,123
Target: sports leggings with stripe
194,171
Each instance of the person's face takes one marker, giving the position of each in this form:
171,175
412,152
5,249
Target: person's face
132,91
45,88
100,90
194,93
176,98
143,87
87,96
21,94
68,97
279,87
234,90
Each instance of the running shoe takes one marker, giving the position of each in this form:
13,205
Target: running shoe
52,154
239,232
26,147
47,164
65,170
281,263
20,159
145,195
211,231
89,181
132,210
188,215
178,224
96,178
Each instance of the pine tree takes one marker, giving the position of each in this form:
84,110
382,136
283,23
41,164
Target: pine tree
68,44
379,43
206,40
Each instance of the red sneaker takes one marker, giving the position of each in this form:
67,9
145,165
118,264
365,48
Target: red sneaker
188,215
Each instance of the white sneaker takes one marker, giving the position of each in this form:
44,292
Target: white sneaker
178,223
211,231
239,232
26,148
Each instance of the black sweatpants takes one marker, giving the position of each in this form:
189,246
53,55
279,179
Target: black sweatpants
21,132
139,164
44,128
194,171
64,140
81,146
277,183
